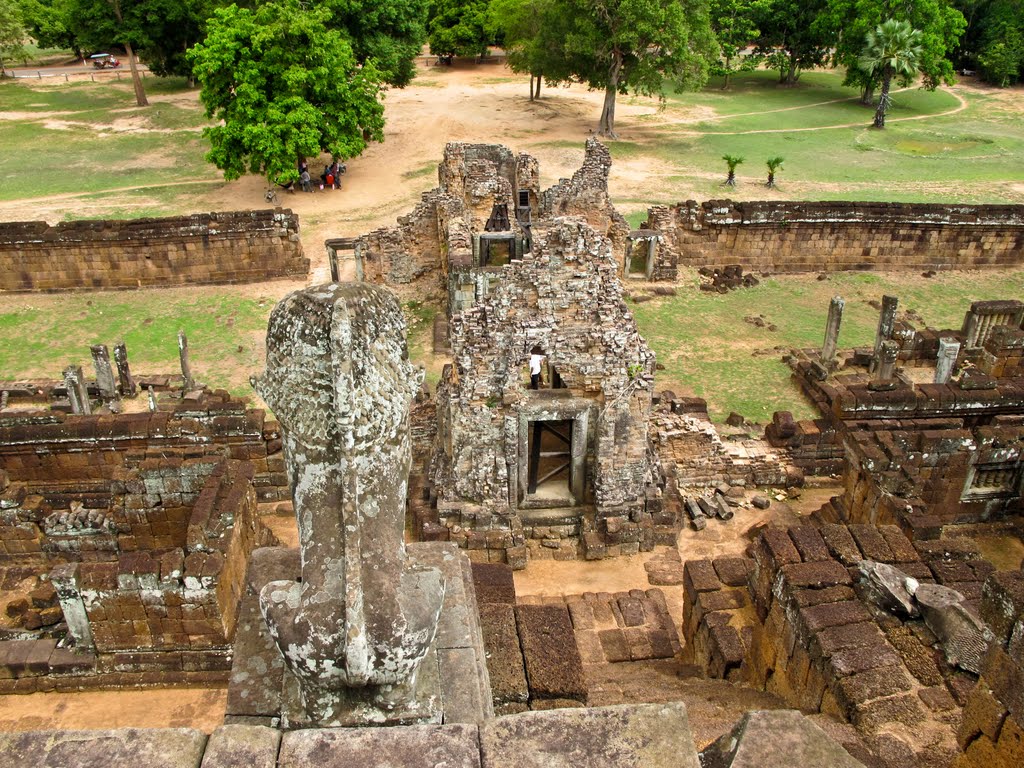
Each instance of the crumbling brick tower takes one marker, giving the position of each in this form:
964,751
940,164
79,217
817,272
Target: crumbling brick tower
521,472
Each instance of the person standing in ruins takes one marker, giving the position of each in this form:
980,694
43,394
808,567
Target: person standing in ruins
536,359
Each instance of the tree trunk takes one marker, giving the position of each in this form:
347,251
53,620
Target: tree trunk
791,76
539,79
140,92
531,86
883,99
867,95
731,180
728,71
606,127
771,179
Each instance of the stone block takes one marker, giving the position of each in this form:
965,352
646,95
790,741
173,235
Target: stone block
494,583
841,544
700,576
819,617
732,571
1002,603
414,746
776,739
614,644
121,748
553,665
627,736
815,575
809,543
242,746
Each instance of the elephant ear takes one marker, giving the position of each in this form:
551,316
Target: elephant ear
373,380
297,385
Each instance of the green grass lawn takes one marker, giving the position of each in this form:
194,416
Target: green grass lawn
831,152
225,329
708,349
75,146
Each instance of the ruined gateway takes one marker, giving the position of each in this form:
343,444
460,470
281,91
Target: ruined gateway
885,615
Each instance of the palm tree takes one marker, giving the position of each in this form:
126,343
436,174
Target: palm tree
774,164
732,161
892,48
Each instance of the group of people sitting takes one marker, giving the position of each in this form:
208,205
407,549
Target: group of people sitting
330,178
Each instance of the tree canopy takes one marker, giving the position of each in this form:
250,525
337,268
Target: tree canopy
390,33
850,21
789,40
735,25
285,86
533,36
636,45
12,31
458,28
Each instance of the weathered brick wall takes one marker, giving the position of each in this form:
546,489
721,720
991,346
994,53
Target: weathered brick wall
789,621
833,236
47,446
224,247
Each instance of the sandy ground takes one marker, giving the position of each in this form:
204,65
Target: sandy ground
201,708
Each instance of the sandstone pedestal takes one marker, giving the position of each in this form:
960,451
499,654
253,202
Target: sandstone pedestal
451,684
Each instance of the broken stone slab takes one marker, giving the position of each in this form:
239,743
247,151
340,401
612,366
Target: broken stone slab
761,502
625,736
697,516
242,746
888,587
963,636
149,747
776,739
723,510
415,746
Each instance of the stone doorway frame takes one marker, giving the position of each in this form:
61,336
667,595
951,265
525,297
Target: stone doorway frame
546,408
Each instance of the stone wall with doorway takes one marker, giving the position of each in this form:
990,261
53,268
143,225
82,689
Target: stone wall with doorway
204,248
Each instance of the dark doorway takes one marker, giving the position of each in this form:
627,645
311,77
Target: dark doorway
550,472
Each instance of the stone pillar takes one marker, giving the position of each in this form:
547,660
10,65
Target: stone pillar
949,349
104,372
78,395
835,318
64,578
884,364
886,323
332,260
186,370
124,374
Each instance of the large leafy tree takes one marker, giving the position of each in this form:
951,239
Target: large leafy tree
533,34
789,40
49,23
634,46
892,48
850,21
390,33
999,44
735,25
283,86
12,31
458,28
101,23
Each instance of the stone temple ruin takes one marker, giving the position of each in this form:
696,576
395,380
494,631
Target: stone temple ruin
135,510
